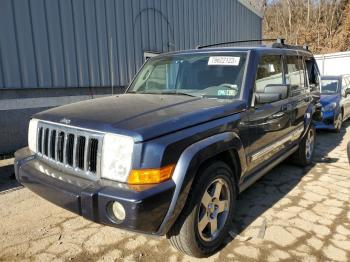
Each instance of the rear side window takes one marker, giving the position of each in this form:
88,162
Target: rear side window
313,74
269,72
295,76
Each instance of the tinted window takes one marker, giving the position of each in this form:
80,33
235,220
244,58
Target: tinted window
295,71
269,72
312,72
295,74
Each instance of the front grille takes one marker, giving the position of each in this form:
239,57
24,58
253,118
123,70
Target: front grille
93,152
74,149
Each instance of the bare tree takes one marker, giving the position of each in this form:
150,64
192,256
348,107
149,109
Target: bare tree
319,23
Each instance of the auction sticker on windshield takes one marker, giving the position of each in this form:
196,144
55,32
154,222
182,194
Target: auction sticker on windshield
224,60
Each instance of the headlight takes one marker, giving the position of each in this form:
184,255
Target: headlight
32,134
330,107
116,157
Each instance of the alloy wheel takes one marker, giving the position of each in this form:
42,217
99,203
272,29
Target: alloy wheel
214,209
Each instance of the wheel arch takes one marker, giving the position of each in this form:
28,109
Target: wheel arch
231,158
222,146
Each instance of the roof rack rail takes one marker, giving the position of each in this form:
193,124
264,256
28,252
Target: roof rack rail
279,43
235,42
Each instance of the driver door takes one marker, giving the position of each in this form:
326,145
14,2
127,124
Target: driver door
269,123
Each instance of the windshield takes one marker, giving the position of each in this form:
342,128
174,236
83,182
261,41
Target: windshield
329,86
209,76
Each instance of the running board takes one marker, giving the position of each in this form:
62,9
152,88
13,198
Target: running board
260,173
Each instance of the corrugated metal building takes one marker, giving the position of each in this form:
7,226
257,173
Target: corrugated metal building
54,52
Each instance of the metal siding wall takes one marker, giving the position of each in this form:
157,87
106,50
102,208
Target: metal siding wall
102,42
8,46
25,42
67,43
53,21
41,43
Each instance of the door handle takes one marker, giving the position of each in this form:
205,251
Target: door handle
277,115
287,107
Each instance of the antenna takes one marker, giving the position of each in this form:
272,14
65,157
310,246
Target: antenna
111,67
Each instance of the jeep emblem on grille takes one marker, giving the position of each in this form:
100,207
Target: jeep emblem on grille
65,121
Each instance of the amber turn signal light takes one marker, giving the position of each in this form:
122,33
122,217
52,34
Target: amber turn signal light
151,176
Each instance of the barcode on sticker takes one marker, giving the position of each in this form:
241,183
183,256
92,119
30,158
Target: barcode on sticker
224,60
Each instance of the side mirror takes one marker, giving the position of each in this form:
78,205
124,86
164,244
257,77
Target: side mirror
272,93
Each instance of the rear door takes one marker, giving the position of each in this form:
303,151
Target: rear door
300,96
269,123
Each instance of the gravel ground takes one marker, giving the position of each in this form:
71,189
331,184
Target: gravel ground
292,213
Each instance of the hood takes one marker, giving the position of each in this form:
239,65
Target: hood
143,116
327,99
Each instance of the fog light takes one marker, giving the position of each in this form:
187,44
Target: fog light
118,211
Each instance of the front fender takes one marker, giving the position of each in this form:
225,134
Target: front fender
187,166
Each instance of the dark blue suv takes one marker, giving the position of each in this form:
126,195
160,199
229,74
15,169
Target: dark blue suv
169,157
335,100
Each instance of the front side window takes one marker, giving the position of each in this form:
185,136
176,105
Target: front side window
329,86
269,72
212,75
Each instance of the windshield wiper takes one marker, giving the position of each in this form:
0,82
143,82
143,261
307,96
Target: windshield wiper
177,93
163,93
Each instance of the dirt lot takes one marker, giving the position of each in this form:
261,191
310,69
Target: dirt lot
291,213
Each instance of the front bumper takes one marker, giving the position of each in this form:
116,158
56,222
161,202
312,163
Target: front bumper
327,122
145,206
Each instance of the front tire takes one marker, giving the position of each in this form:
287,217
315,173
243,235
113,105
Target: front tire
303,156
205,220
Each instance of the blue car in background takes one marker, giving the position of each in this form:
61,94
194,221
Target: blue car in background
335,100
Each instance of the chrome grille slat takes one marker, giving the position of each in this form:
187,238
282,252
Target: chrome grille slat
49,143
75,144
65,148
42,140
56,157
86,153
72,149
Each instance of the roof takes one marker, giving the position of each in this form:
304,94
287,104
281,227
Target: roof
259,49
